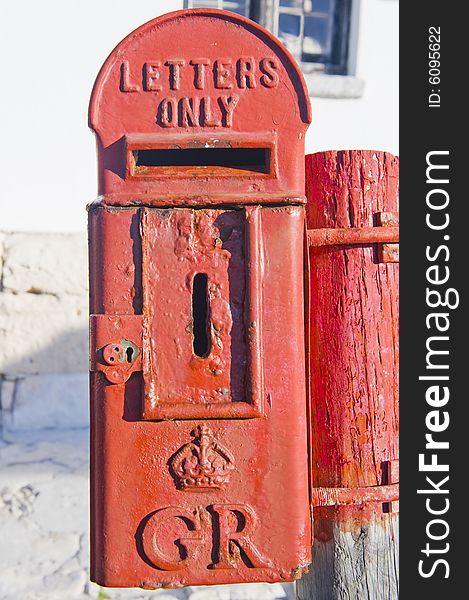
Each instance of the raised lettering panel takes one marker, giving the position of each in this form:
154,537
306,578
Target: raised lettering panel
220,82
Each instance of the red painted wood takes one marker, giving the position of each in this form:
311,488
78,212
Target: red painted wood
354,332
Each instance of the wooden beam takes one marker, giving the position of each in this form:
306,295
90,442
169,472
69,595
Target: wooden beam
354,379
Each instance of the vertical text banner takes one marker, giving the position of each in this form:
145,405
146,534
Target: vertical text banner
434,326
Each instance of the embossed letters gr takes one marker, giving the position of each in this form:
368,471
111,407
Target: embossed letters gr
189,531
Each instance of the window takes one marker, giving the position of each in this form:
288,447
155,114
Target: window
241,8
315,31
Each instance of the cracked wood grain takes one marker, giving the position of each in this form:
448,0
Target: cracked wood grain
354,376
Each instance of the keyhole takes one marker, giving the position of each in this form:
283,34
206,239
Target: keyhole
129,353
201,315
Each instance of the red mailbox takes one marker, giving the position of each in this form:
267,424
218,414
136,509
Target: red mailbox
198,377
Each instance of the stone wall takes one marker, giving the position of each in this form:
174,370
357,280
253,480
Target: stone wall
44,429
43,339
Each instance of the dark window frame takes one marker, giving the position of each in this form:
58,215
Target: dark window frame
338,63
264,12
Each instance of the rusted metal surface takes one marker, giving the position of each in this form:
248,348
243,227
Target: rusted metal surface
391,477
199,434
111,350
388,252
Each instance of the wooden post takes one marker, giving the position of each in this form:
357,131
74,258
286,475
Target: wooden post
354,378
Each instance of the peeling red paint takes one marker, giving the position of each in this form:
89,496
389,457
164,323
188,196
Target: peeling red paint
199,472
354,338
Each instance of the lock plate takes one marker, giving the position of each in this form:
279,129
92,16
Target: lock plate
202,283
112,350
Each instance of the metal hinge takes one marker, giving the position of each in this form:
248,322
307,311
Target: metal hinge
387,493
116,346
385,234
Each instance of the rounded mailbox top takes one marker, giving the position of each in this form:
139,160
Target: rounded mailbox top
201,77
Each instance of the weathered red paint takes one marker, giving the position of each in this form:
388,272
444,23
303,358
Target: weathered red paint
353,337
355,496
331,236
272,111
199,472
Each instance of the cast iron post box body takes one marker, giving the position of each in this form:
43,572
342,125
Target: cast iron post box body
198,383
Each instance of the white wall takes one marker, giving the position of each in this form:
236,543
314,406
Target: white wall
372,121
52,51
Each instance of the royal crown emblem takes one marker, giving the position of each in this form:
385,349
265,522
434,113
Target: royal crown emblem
202,464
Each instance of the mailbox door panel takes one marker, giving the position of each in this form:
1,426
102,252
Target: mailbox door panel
202,286
203,495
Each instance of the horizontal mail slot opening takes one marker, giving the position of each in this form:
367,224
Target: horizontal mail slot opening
204,160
